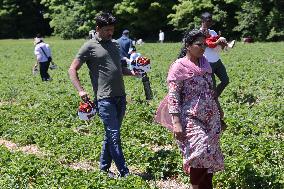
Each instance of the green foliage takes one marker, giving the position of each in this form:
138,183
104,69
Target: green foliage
78,17
143,18
274,21
44,114
249,19
165,164
27,171
22,19
187,13
262,20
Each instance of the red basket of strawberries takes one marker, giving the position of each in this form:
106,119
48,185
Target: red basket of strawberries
141,64
86,110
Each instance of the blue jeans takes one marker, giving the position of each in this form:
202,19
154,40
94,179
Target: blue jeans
219,70
111,111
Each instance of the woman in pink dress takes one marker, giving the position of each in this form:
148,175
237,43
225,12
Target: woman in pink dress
194,112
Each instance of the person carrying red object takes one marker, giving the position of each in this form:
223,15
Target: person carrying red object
213,55
102,56
217,41
86,110
140,65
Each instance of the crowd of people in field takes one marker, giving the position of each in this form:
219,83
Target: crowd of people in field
191,108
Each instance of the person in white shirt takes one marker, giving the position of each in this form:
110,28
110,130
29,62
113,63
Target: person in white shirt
140,42
213,57
42,52
133,56
134,64
161,36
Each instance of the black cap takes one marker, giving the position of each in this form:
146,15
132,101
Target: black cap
133,48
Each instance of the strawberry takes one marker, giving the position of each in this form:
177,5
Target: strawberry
86,107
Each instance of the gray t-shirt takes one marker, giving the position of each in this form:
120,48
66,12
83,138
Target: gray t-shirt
103,60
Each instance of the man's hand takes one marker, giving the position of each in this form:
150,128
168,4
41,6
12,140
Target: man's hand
221,40
36,64
136,73
129,72
84,96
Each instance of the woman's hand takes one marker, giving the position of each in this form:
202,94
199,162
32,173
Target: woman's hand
178,131
177,127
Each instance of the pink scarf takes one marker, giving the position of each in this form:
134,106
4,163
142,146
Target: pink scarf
180,70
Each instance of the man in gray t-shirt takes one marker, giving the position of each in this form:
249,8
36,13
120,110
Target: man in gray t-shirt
103,60
102,56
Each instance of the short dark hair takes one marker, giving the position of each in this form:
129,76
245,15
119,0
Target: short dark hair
206,16
105,19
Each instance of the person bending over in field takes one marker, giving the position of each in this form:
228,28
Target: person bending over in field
102,56
191,111
42,52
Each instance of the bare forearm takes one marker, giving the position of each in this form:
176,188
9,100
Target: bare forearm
75,79
73,74
37,62
174,99
177,127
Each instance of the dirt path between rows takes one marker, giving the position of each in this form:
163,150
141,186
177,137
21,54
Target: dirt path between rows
94,166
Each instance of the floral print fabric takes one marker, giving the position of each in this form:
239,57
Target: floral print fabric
193,98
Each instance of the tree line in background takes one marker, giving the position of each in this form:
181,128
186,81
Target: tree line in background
261,19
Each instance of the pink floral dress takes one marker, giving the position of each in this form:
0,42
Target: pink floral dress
193,98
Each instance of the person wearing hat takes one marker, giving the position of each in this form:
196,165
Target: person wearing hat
125,43
42,52
133,55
